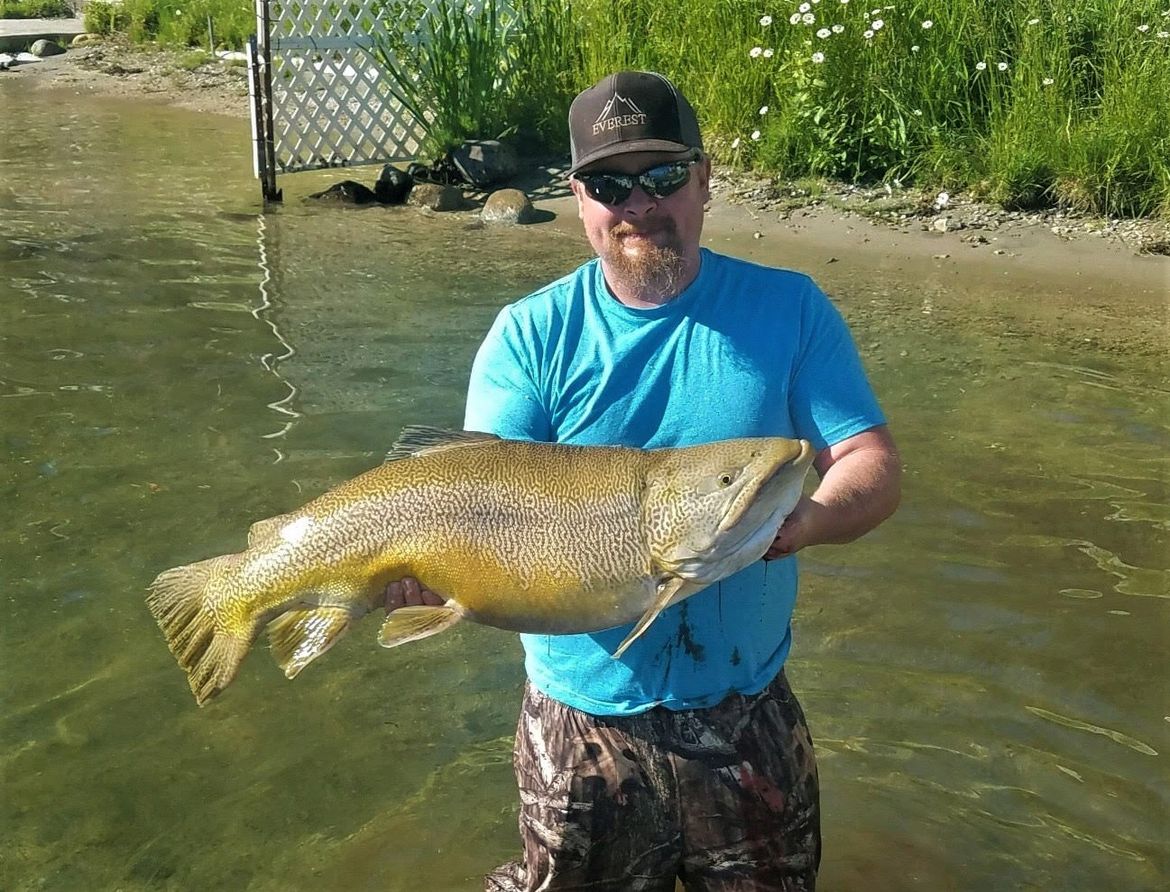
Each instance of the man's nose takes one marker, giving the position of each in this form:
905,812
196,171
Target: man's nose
639,202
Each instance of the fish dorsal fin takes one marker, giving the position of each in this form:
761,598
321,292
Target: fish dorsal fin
263,530
421,440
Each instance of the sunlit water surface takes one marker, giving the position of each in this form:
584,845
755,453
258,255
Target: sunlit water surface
986,676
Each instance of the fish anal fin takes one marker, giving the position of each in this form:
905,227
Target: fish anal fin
415,623
420,440
299,636
668,589
263,530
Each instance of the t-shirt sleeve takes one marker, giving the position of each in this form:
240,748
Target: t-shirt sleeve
502,395
830,398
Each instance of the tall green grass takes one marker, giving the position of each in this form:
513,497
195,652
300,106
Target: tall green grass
175,23
1028,102
35,9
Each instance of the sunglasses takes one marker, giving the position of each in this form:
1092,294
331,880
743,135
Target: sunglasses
657,182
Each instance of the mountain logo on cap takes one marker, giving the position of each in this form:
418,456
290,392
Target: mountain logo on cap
618,112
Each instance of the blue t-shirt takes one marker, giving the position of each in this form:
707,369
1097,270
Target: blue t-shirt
745,351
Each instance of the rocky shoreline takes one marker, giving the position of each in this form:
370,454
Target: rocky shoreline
197,80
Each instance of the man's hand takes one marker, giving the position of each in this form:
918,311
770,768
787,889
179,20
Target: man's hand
860,487
794,532
406,592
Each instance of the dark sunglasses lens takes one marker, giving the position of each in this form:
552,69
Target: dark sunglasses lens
666,179
607,188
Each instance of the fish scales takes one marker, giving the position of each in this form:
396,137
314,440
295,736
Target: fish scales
525,536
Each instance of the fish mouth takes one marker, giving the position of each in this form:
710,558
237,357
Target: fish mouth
793,469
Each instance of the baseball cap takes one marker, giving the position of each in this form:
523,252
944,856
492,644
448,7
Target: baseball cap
630,111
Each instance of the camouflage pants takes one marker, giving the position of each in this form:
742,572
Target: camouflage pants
724,798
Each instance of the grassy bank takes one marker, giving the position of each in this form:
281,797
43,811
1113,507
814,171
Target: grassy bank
1028,102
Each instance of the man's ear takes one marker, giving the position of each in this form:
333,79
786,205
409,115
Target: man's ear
704,167
576,186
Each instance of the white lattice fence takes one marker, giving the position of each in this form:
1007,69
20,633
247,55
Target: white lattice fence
328,102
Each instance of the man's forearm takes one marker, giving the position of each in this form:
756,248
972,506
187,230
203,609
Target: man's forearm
857,493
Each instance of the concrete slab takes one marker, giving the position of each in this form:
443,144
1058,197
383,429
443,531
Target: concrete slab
17,34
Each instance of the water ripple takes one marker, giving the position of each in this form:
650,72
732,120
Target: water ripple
1116,736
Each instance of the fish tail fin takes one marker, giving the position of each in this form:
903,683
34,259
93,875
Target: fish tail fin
179,601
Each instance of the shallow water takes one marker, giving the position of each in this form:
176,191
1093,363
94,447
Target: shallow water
986,675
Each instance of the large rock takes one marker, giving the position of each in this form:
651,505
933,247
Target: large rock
435,197
44,48
508,206
393,185
347,192
485,162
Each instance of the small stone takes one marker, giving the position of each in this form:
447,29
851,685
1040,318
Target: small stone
508,206
485,162
85,39
831,260
942,224
44,48
393,185
435,197
941,256
757,234
346,192
999,251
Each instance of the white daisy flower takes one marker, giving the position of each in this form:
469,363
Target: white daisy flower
1143,28
1002,66
765,20
755,134
1033,21
808,18
837,29
823,33
735,143
980,66
918,113
876,24
818,58
928,24
794,19
1048,82
867,34
755,51
763,109
914,48
804,7
769,53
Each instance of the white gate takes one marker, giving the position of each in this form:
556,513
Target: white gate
318,96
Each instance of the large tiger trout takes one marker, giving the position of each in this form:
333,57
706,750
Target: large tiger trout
532,537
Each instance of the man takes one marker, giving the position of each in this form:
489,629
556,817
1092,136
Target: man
689,756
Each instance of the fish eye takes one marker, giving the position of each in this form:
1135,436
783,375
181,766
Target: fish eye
725,480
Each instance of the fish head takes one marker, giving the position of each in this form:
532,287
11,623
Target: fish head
711,510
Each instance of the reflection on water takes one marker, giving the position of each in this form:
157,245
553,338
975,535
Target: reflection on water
986,674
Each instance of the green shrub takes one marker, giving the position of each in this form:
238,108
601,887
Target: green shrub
35,9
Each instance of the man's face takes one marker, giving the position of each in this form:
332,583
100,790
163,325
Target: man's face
641,237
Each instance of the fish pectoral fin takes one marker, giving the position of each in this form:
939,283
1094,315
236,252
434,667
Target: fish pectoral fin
667,589
299,636
415,623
